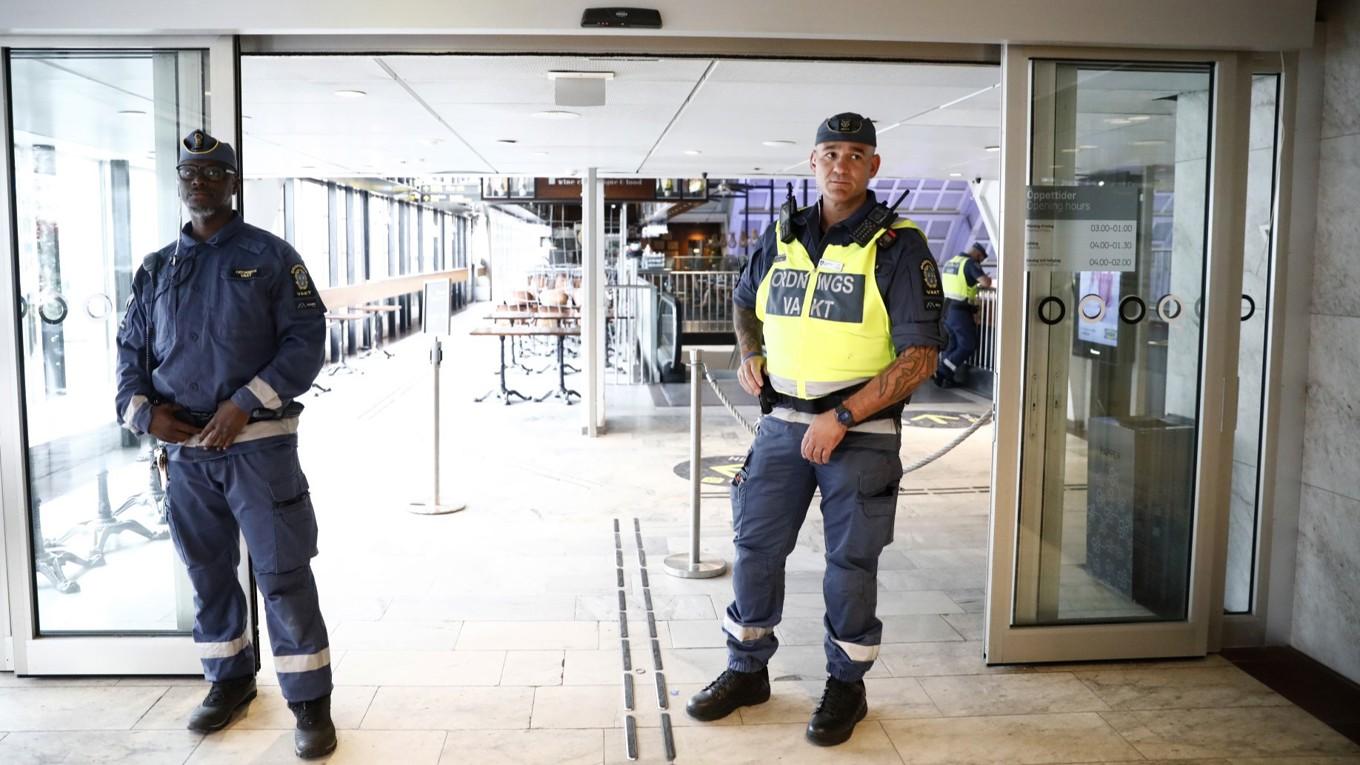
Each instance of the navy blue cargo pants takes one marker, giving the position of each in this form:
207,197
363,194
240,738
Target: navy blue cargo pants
963,338
263,495
770,498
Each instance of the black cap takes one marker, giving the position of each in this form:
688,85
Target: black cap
847,126
980,247
200,145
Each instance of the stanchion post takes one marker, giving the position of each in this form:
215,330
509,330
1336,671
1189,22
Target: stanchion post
690,565
435,506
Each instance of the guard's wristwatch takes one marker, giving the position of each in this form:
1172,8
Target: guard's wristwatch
844,416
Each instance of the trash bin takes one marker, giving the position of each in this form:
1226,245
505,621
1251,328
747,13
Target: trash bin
1140,508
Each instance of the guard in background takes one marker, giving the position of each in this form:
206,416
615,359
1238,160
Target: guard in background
844,299
962,276
224,329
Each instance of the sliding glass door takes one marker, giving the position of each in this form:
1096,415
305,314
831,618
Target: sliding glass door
92,136
1120,289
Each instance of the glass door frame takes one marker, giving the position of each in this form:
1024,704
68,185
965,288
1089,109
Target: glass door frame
1249,628
1231,102
95,654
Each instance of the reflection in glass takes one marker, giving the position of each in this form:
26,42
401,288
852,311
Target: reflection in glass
1257,275
1112,392
95,148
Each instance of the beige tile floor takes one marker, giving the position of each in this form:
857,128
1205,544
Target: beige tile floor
491,637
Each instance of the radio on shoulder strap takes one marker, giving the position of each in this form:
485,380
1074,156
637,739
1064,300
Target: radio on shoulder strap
786,213
880,217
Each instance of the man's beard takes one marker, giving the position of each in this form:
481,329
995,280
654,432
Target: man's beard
204,210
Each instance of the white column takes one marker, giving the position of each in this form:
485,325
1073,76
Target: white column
592,313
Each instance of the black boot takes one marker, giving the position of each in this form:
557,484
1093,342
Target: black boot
315,734
842,705
731,690
223,700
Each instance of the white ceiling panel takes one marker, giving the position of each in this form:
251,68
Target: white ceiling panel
452,113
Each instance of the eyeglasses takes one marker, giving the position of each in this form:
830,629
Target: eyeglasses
209,172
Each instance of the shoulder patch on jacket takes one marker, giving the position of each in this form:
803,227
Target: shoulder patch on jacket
930,278
302,282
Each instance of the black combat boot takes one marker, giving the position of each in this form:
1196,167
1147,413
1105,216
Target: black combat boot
315,734
732,689
842,705
223,700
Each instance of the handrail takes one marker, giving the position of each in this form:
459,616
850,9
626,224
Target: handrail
379,289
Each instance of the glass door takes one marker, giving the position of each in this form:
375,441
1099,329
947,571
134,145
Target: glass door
1120,292
92,134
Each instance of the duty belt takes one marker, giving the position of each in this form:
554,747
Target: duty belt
201,419
832,400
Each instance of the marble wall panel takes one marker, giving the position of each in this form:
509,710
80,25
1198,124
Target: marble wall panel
1336,266
1331,448
1340,108
1327,582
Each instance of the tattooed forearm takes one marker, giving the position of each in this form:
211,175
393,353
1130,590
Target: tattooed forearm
911,368
750,330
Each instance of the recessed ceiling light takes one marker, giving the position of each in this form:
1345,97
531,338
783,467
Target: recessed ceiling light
556,114
132,112
560,75
350,93
991,148
956,175
777,142
1150,142
1139,118
1117,121
692,152
1087,146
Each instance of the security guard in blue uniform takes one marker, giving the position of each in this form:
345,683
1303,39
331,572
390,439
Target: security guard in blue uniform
961,278
224,329
837,316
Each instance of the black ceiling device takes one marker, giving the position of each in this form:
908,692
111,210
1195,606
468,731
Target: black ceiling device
622,18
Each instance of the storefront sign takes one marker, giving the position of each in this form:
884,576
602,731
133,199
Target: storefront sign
1081,228
517,188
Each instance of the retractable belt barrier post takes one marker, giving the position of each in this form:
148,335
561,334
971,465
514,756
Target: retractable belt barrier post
436,505
690,565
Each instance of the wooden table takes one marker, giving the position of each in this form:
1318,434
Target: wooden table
561,333
502,314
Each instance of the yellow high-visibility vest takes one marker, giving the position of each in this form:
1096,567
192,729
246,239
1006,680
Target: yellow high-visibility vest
826,326
955,283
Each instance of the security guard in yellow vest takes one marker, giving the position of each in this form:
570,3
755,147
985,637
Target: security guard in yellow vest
840,305
961,278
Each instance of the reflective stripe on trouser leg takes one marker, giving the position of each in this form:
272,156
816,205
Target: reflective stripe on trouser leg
768,507
206,537
269,494
297,634
859,501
